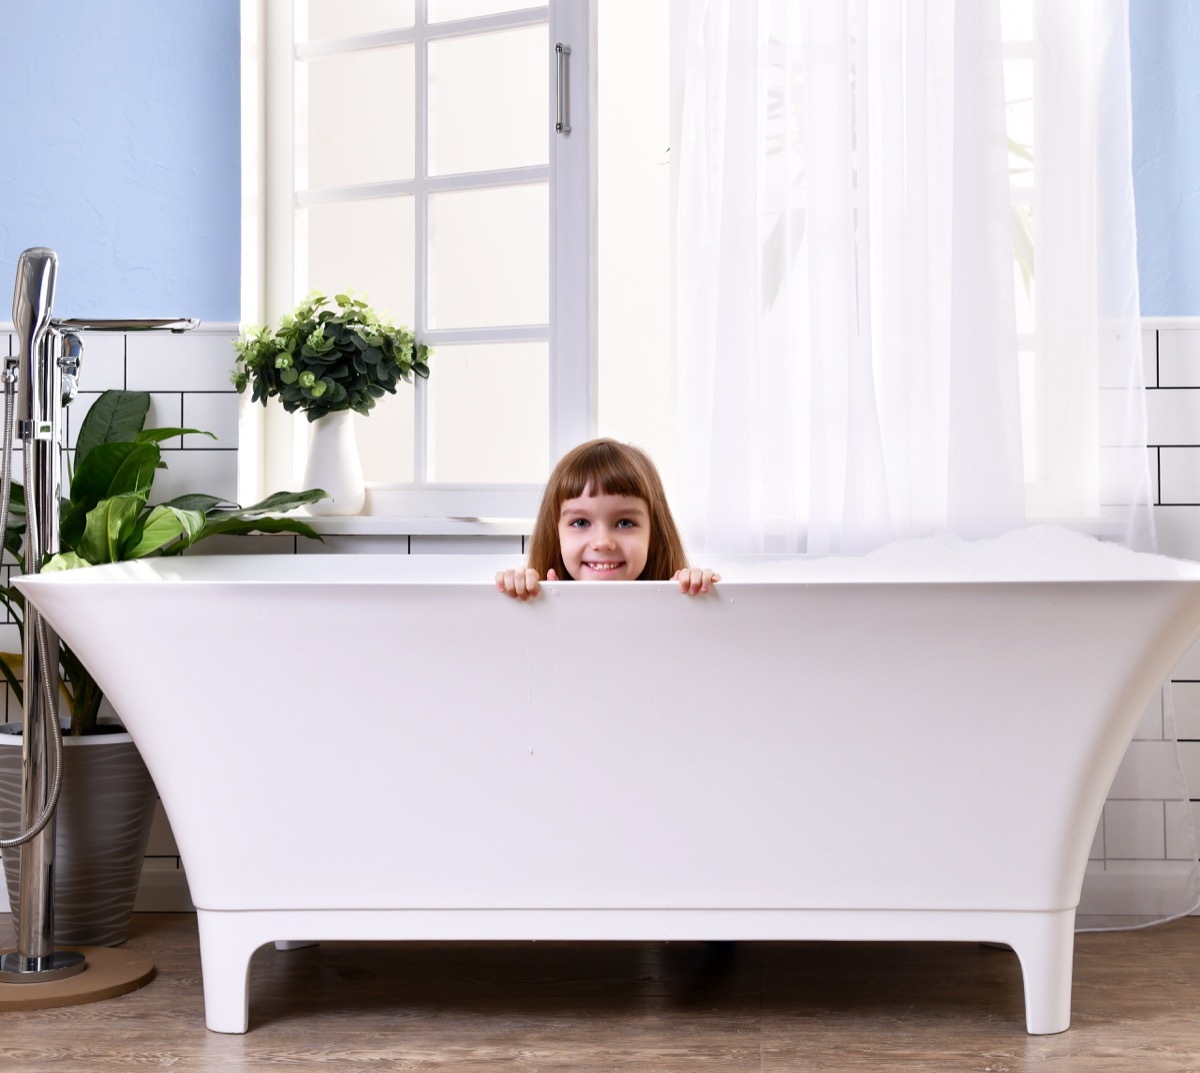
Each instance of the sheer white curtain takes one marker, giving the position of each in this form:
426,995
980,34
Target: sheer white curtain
849,364
859,215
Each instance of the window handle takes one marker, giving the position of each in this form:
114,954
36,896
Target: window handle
563,126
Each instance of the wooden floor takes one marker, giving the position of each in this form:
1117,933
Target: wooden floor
621,1007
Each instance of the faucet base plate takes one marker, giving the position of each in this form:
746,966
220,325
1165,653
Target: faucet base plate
105,973
18,968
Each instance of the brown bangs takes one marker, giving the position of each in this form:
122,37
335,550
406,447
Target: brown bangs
606,470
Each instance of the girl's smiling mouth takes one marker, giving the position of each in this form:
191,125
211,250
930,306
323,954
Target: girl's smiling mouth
603,568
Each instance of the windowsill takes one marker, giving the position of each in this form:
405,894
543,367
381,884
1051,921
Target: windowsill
398,525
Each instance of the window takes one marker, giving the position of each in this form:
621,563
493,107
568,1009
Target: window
409,152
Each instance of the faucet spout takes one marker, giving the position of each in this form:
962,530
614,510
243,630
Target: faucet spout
176,325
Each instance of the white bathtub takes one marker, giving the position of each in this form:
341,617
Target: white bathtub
912,745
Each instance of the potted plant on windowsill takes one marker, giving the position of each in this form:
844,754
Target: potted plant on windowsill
329,360
106,790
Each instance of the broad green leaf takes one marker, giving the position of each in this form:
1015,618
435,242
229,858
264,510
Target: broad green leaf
200,501
66,560
157,435
94,480
115,416
235,526
108,527
279,503
136,473
14,543
164,525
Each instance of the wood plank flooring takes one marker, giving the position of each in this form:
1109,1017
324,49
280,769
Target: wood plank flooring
626,1007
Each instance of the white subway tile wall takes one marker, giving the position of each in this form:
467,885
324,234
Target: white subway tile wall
1132,817
188,378
1178,358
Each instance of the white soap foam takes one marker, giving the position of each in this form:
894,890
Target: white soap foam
1035,553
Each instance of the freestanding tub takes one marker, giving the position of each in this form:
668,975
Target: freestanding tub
911,745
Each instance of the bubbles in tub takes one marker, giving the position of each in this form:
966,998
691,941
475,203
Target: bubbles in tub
1035,553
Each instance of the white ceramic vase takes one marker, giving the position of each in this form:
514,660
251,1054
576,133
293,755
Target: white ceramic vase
333,464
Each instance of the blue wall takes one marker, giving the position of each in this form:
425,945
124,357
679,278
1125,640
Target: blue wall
1165,54
119,127
119,148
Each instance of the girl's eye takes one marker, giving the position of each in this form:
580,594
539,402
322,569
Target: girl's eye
626,523
579,523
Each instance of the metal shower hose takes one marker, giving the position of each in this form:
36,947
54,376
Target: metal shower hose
52,734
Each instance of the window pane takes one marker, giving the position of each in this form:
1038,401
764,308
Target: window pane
489,257
362,246
385,438
360,119
488,412
504,127
445,10
336,18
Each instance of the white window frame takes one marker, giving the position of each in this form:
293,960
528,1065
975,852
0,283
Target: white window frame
271,442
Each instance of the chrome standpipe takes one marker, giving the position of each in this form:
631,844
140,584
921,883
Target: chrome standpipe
39,416
45,374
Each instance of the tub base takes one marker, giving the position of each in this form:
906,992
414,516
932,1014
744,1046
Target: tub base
1043,941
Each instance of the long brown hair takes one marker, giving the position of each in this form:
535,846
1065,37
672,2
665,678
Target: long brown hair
607,467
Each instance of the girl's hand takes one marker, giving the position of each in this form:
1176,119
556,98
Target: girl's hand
520,584
693,579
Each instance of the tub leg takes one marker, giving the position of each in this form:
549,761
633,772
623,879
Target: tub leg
1046,949
227,942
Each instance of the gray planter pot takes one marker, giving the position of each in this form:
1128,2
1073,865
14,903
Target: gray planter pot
103,825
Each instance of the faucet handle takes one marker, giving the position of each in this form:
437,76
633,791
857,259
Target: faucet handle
69,359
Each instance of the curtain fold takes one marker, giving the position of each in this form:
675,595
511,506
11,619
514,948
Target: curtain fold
906,296
844,243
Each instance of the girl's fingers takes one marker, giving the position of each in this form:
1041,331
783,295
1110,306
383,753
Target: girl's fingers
522,584
519,584
694,579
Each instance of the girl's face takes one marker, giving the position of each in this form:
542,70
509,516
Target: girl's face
604,538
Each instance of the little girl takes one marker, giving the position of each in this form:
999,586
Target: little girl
604,517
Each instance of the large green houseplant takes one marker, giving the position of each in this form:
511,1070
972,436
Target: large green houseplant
107,517
107,803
